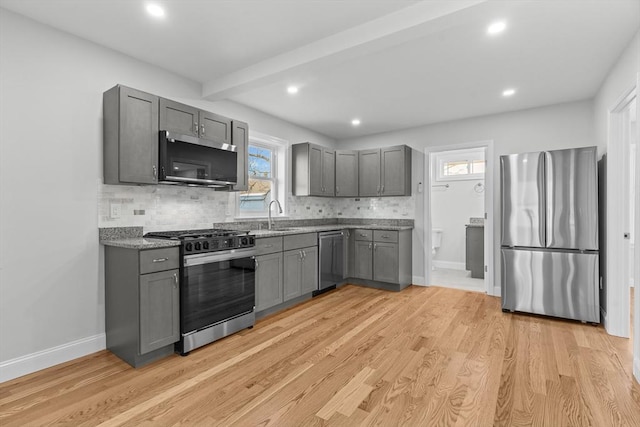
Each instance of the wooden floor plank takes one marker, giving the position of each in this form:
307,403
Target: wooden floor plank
355,356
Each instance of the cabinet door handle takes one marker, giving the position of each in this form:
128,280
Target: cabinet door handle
155,171
382,190
175,280
375,246
385,236
256,263
268,246
161,259
300,254
304,254
202,129
195,128
369,246
363,235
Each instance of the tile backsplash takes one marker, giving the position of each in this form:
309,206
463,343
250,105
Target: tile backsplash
166,207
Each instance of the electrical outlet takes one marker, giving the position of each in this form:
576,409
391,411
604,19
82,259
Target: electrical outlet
116,210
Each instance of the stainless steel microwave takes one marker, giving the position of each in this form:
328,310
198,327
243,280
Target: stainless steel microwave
189,160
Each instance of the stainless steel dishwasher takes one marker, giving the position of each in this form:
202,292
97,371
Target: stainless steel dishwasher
332,265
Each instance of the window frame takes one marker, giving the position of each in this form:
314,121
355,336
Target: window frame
470,156
277,147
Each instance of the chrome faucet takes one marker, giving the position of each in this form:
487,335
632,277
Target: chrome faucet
269,209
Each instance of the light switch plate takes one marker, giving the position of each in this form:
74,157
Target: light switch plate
116,210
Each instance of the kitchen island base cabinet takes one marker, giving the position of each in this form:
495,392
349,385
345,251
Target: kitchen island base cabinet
382,259
142,303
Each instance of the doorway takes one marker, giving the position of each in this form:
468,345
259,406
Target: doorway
458,218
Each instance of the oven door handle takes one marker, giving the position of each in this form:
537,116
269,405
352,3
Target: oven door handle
208,258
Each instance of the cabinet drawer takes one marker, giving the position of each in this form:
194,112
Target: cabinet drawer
366,235
159,260
298,241
268,245
385,236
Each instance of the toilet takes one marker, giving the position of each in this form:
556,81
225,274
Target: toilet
436,239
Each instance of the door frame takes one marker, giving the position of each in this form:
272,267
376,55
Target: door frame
616,318
489,176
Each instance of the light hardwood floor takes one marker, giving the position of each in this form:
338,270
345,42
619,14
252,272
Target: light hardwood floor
356,356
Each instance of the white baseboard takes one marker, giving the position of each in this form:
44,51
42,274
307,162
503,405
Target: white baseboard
418,281
636,369
497,291
449,264
33,362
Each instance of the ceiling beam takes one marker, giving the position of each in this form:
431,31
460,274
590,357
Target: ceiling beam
381,33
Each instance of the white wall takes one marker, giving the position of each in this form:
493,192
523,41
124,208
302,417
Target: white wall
558,126
51,85
451,209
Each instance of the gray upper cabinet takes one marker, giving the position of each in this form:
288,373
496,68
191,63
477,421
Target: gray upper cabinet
313,169
395,169
369,173
186,120
130,136
178,118
269,281
346,173
385,172
240,138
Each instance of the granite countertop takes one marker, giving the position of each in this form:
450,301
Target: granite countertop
319,228
131,237
140,243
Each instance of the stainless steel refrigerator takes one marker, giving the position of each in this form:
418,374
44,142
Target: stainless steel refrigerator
550,233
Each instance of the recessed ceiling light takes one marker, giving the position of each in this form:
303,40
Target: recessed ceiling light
355,122
155,10
496,27
508,92
292,90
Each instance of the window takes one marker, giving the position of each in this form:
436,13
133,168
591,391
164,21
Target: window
459,165
266,156
262,182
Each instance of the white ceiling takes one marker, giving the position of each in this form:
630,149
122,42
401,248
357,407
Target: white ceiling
392,63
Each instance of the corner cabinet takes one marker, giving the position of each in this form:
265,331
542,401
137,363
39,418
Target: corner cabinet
130,132
313,168
142,303
385,172
186,120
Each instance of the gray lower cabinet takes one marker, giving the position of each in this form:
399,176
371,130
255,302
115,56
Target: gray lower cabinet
382,256
269,281
300,272
187,120
130,131
142,303
346,173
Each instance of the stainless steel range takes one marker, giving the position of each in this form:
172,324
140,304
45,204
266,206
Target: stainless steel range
217,287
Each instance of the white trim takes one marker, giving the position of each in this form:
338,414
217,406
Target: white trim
449,264
617,183
497,291
490,171
636,254
33,362
418,281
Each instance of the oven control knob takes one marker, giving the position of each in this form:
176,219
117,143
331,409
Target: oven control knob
244,241
188,247
197,246
205,245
